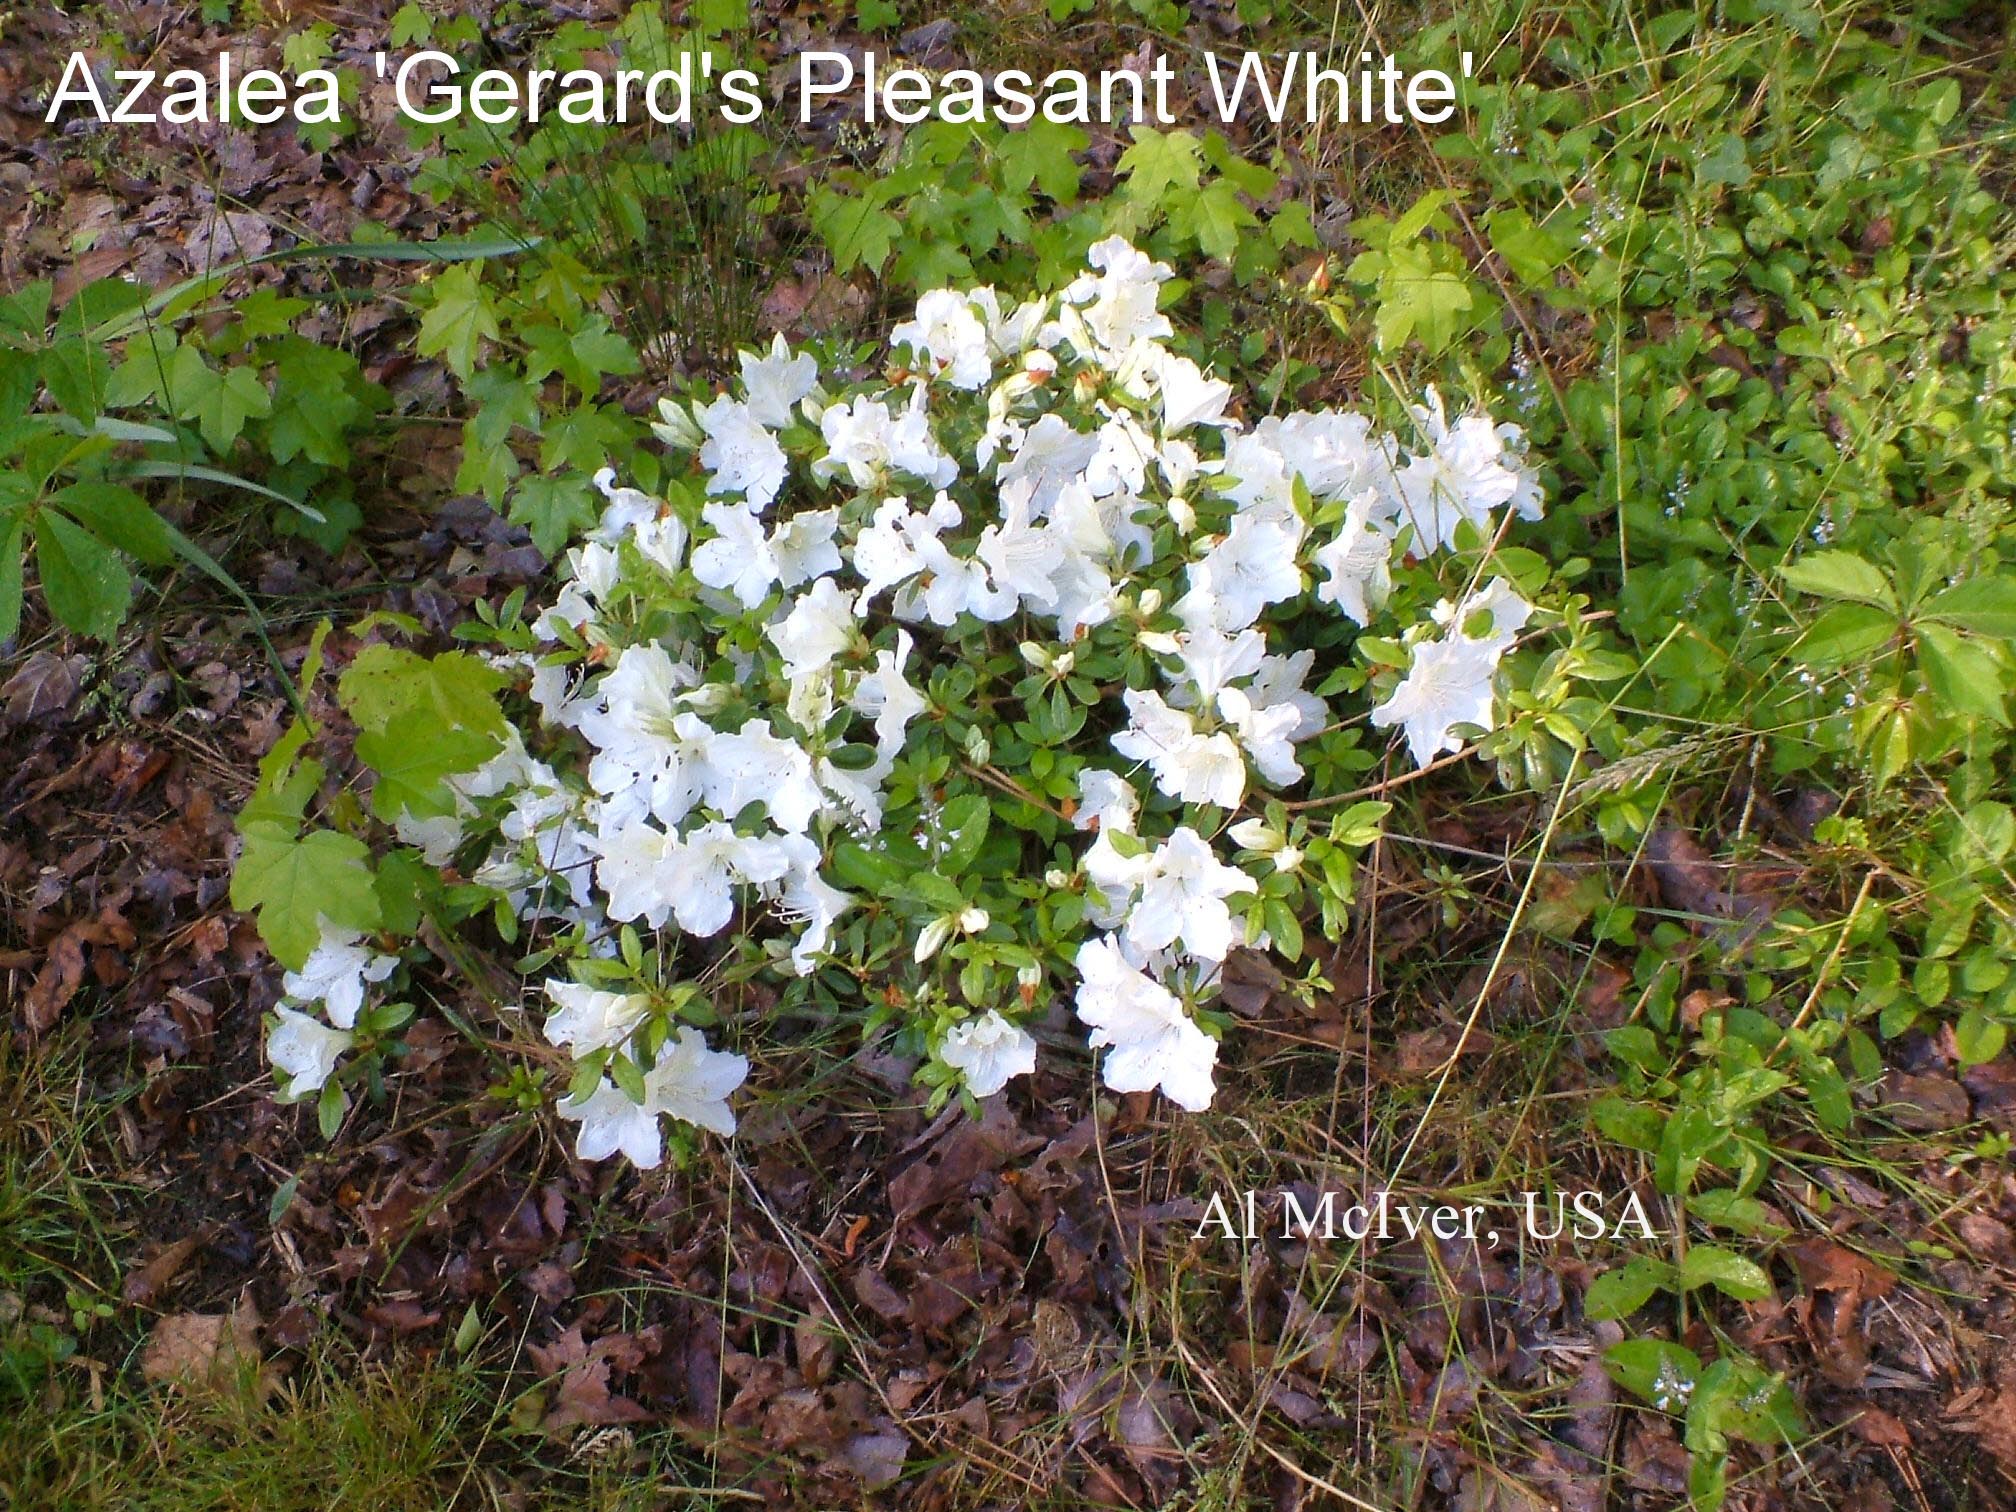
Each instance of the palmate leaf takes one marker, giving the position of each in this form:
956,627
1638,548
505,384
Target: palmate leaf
858,232
453,691
293,882
413,756
461,318
1042,153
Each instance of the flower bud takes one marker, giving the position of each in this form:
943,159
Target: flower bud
675,427
1257,835
930,938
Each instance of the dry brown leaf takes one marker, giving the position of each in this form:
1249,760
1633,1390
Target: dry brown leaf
202,1350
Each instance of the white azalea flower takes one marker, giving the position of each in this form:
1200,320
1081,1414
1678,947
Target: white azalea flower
648,745
1183,888
738,558
805,898
336,973
1251,567
866,442
776,381
637,872
885,696
803,546
689,1081
1213,660
740,453
1279,680
693,1083
1119,299
952,586
589,1020
1023,559
626,509
1266,732
710,863
1124,455
1500,600
1359,564
1448,683
1150,1040
988,1052
819,627
592,572
1188,765
1189,396
1051,454
1107,800
1332,452
950,335
1464,475
1010,333
610,1122
306,1050
757,765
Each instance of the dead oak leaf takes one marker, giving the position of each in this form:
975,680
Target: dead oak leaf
203,1351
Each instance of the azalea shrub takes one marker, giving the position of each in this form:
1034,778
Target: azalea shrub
1034,671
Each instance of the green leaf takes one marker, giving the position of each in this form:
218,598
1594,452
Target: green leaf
1215,218
10,576
1530,249
1963,676
1159,162
455,690
857,231
1619,1293
964,825
554,509
220,402
1984,605
1655,1370
871,871
1042,153
1845,633
1840,575
1724,1208
412,756
1742,1399
1978,1037
1417,298
120,516
460,319
1726,162
329,1108
283,1199
293,882
410,24
1726,1271
83,580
